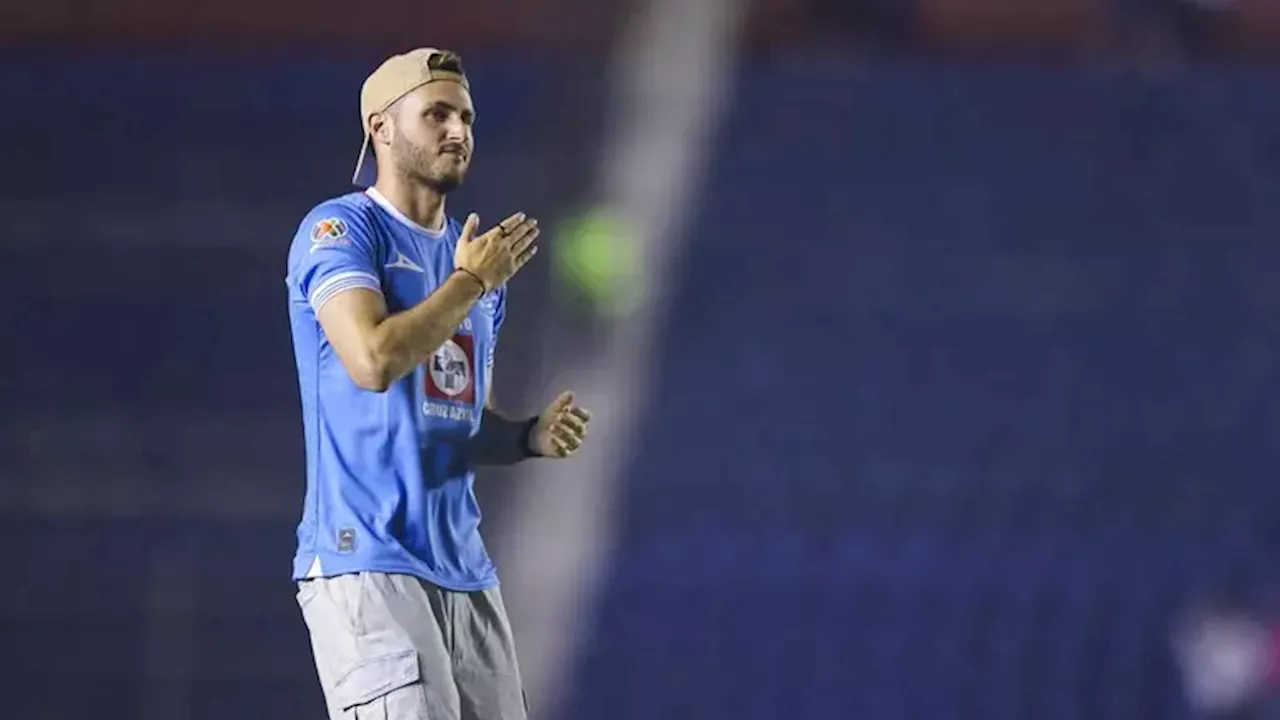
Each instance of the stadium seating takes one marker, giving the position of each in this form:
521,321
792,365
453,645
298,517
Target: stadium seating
995,407
972,386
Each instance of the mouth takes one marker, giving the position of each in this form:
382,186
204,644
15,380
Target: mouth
455,151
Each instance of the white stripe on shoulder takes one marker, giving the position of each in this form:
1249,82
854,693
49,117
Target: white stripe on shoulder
341,282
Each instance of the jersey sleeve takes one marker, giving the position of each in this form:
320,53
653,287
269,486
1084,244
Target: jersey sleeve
332,252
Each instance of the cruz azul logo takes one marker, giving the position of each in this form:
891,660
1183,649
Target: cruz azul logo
450,380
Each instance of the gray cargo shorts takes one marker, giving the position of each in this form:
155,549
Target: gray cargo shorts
393,647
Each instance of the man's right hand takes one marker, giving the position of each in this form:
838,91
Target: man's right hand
494,257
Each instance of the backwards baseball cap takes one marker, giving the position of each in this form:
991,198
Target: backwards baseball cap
395,78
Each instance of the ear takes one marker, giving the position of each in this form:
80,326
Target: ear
380,127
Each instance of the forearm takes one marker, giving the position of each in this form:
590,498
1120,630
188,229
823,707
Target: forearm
501,441
405,340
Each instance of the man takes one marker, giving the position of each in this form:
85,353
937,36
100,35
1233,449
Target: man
394,309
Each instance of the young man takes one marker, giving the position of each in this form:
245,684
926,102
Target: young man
395,311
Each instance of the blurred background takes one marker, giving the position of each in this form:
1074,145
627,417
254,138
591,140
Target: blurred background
932,343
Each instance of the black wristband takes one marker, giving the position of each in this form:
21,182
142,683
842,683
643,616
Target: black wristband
502,441
529,425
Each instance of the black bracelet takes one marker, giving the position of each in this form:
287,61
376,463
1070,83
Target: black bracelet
484,289
529,425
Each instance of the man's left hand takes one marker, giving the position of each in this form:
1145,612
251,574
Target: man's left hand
560,429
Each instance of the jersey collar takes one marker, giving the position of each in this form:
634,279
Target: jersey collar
403,219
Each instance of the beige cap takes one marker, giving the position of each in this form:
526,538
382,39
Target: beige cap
395,78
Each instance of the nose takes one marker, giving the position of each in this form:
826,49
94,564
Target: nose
455,131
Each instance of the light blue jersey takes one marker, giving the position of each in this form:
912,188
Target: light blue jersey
390,487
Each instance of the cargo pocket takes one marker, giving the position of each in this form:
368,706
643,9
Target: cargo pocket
307,591
388,687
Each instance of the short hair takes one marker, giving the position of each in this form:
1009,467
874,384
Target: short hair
447,61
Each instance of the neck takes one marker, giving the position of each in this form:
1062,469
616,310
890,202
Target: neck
418,202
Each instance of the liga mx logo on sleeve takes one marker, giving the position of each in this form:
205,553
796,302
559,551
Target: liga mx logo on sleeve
450,373
327,232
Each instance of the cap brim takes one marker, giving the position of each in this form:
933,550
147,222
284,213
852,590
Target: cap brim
366,173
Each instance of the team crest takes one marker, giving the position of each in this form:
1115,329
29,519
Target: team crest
330,231
450,375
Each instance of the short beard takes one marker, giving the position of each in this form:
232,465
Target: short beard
443,184
416,164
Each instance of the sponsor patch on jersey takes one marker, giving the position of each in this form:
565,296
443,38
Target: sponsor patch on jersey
451,373
330,231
